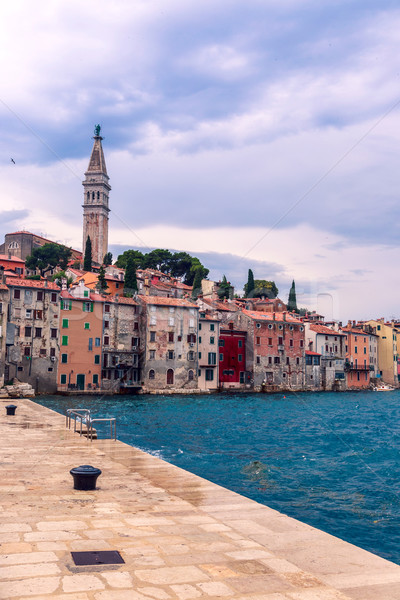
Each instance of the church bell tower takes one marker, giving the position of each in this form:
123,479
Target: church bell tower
95,201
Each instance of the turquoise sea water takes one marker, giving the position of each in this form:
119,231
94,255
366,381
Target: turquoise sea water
329,459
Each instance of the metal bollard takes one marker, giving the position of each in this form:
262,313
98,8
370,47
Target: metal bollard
85,477
10,408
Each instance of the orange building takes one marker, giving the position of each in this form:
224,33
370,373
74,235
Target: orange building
81,330
357,364
14,265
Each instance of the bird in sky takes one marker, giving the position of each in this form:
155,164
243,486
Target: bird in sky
13,161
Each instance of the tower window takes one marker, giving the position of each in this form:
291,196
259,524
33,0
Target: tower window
98,195
88,195
92,195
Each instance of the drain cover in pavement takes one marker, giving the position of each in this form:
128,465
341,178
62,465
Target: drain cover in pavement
97,557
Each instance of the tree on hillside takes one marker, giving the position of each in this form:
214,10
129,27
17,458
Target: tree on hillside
262,287
87,261
158,259
102,284
130,284
292,301
190,275
250,284
180,264
107,260
197,283
48,256
224,290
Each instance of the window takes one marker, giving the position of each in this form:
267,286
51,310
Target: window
97,342
28,331
27,351
287,360
106,324
135,341
191,338
170,354
152,354
222,343
258,325
107,308
38,314
221,357
258,360
365,350
170,377
212,358
63,379
270,326
355,338
240,344
106,340
212,327
39,295
95,379
53,333
269,341
355,349
52,351
153,321
277,360
270,360
90,344
291,343
301,343
258,341
28,296
170,336
86,325
17,294
53,297
152,336
171,321
190,375
209,375
298,361
199,326
64,358
135,326
28,313
38,332
240,357
191,355
199,355
86,293
152,374
241,377
65,323
212,340
378,327
97,359
280,341
280,326
66,304
199,339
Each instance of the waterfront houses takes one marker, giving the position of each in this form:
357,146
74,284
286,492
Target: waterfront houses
387,350
4,302
209,361
33,333
169,343
330,345
233,372
358,360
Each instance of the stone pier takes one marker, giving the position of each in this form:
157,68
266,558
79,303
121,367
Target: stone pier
181,537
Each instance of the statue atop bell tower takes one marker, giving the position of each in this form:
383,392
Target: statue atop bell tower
95,201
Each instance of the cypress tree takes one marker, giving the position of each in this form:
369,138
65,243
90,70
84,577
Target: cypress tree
197,283
130,284
224,289
292,302
87,261
102,283
250,284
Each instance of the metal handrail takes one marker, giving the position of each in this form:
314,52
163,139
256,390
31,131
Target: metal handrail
113,426
81,414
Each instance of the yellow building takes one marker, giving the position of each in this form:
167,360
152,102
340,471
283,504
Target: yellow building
387,350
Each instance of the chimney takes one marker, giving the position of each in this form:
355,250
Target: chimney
284,316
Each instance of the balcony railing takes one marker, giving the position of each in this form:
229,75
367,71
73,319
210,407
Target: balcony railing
354,367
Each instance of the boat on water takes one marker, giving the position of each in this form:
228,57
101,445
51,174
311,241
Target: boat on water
384,387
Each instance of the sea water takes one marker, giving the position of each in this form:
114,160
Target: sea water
331,460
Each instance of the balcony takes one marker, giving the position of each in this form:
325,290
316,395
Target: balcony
353,367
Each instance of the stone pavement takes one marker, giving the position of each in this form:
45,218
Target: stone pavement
181,537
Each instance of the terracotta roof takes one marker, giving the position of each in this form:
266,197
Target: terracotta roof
209,318
3,286
280,317
221,306
353,330
12,258
34,283
309,353
167,301
324,330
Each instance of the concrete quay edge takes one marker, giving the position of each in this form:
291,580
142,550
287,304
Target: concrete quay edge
181,536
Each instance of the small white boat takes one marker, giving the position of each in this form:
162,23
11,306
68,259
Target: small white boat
384,387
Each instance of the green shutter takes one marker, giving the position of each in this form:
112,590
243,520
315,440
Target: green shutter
70,305
62,303
91,307
65,323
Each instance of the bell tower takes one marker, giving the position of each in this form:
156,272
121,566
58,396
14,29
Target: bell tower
95,201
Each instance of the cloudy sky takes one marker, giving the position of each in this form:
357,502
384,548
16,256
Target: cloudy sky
262,134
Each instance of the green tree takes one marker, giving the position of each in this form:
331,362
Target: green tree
107,260
102,284
48,256
250,284
158,259
262,287
225,289
61,275
181,263
130,284
196,265
292,301
197,283
87,261
138,259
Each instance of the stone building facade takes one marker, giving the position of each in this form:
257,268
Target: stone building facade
168,344
4,303
330,344
209,331
32,333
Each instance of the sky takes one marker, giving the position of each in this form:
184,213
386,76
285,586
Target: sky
262,134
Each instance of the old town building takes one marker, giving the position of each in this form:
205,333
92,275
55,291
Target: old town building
330,344
169,344
4,302
208,351
232,358
357,365
32,333
387,370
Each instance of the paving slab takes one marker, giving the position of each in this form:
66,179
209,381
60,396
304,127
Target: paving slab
180,536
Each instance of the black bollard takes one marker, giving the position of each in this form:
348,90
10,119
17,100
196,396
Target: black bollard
85,477
10,408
